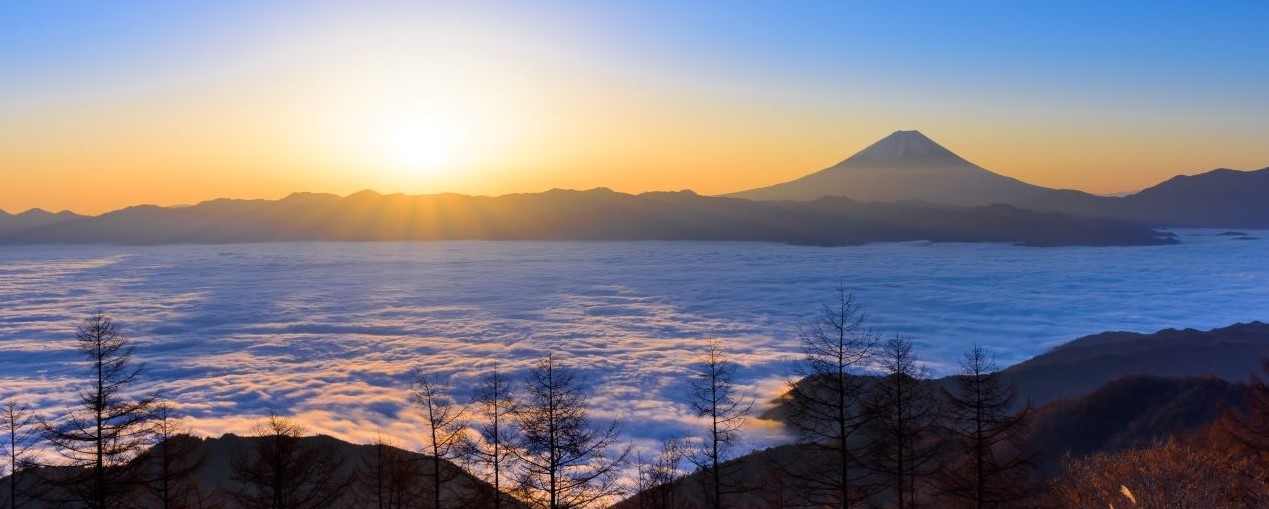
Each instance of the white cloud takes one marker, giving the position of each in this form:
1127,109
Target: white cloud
332,333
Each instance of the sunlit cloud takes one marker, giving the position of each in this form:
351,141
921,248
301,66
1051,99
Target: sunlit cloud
333,334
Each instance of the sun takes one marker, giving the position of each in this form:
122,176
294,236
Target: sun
421,142
424,146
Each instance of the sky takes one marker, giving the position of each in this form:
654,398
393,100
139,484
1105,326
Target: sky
107,105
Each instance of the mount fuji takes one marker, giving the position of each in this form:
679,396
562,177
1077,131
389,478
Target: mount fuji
904,166
907,166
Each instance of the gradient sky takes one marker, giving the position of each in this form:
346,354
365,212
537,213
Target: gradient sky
103,106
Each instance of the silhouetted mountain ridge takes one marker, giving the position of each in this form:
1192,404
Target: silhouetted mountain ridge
1076,368
33,219
597,214
1081,366
1220,198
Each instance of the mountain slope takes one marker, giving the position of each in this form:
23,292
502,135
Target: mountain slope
1130,412
1076,368
1079,367
1133,411
903,166
1219,198
598,214
908,166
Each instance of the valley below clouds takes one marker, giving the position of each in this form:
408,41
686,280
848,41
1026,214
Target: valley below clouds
332,333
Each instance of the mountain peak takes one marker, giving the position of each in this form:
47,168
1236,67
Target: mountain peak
904,147
36,212
903,166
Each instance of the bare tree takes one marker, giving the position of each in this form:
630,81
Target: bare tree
495,401
777,490
658,475
387,477
990,464
1251,426
21,434
110,427
714,396
167,470
903,423
443,418
824,400
564,458
1248,430
285,470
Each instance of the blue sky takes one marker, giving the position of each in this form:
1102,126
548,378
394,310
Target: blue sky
1194,45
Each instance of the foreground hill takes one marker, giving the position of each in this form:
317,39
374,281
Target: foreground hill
1097,394
598,214
1077,368
1132,412
353,469
908,166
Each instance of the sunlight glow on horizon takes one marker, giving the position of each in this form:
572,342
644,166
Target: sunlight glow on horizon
171,105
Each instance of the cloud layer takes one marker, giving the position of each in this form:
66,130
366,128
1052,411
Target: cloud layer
333,332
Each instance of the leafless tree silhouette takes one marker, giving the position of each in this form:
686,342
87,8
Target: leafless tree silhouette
443,436
825,399
110,427
490,451
659,474
904,415
715,396
388,478
284,470
563,457
167,470
1251,426
21,434
989,464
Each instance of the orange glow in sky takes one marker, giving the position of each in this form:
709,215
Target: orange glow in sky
425,99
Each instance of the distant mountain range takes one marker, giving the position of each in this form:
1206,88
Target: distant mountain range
903,187
908,166
1217,199
33,219
597,214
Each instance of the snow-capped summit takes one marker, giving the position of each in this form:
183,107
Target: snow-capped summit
904,146
903,166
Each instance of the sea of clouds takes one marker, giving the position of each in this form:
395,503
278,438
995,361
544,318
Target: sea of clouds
333,333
